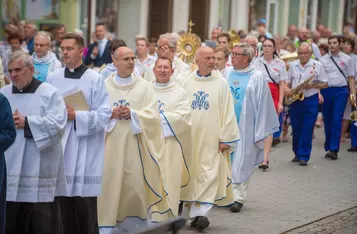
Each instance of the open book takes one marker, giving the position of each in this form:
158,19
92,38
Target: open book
75,98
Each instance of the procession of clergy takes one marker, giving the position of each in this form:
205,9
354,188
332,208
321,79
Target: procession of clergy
147,143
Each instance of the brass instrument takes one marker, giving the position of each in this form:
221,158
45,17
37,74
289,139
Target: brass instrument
354,108
289,58
234,38
187,45
297,92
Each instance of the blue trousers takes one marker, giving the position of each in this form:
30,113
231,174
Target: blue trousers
353,134
278,133
303,115
332,111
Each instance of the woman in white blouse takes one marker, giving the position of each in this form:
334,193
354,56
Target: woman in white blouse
275,72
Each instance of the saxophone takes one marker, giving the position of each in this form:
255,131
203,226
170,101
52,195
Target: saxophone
297,92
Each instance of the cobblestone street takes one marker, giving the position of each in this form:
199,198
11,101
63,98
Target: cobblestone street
289,196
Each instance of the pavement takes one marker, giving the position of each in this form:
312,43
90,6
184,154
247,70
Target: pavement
288,197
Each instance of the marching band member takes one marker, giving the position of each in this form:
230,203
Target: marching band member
340,73
303,113
275,73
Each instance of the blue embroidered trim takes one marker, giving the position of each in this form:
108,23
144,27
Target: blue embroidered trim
84,179
200,101
229,142
204,76
142,166
183,156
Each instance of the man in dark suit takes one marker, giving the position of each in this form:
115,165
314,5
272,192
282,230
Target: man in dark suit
99,51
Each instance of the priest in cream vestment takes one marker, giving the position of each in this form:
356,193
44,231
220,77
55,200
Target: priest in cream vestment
175,115
215,132
166,48
132,181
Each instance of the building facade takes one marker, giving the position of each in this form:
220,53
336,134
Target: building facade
128,18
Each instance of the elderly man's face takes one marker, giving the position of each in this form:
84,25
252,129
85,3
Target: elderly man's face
206,60
163,49
29,30
20,74
304,54
41,46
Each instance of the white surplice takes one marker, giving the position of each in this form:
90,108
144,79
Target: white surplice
35,170
83,140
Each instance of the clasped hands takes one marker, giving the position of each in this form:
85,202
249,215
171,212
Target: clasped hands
121,112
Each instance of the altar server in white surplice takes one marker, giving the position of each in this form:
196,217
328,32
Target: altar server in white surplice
214,132
256,118
175,114
167,48
83,140
132,182
35,170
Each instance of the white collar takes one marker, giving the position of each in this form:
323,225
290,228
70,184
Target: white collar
162,84
123,81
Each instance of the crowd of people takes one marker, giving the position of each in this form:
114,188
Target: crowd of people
99,138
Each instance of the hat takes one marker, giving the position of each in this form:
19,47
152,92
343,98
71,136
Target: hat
262,21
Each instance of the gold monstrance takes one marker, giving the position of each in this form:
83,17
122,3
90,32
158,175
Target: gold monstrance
187,45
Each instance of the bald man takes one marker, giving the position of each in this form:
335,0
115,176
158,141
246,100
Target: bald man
132,182
304,36
214,133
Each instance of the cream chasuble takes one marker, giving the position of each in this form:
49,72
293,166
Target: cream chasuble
175,114
213,122
132,182
180,68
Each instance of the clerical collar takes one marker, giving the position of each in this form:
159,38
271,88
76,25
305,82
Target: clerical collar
163,85
76,73
123,81
30,88
199,75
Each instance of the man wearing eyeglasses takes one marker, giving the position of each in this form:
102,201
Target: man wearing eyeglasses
35,170
167,48
83,139
132,180
215,133
255,114
45,61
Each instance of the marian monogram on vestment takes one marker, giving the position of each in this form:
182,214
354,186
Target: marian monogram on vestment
235,90
200,101
161,104
121,102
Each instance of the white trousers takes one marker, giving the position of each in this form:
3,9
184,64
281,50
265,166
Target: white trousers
196,209
240,192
